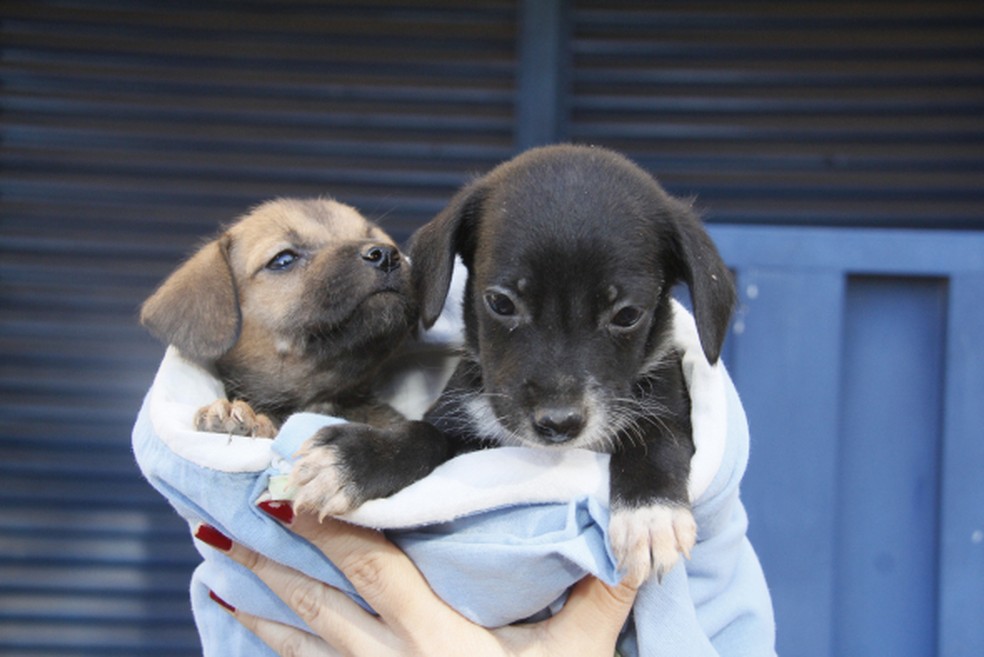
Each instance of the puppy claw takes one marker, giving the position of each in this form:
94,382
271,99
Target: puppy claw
234,418
647,541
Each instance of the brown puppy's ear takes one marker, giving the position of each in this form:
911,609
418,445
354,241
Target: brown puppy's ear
434,246
197,308
711,284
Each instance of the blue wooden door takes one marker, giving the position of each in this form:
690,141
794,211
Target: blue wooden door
859,355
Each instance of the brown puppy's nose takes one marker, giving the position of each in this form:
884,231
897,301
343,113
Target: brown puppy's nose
558,424
381,256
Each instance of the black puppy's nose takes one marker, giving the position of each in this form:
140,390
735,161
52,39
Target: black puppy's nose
558,424
382,257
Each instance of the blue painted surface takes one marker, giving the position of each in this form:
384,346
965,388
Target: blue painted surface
891,399
859,356
789,393
961,623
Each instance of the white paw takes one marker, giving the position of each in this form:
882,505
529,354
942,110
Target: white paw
648,540
319,482
235,418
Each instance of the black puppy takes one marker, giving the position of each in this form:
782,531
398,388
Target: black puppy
571,255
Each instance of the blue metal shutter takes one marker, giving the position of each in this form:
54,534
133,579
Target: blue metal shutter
836,113
130,131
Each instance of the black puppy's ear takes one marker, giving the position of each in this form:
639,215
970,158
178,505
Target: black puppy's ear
197,308
711,284
434,246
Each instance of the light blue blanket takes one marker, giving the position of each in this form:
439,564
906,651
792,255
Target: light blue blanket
500,534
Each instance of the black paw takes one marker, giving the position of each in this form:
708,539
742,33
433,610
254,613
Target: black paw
345,465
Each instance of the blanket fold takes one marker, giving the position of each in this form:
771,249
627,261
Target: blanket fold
500,534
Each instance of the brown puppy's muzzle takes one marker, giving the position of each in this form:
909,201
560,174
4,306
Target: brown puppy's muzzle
384,257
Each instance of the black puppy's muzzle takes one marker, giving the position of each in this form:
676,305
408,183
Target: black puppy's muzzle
383,257
558,424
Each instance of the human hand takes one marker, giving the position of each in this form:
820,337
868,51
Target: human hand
412,619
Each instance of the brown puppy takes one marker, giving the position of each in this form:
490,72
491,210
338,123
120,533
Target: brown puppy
294,307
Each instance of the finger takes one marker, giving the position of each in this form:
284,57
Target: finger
331,614
593,596
382,574
595,605
283,639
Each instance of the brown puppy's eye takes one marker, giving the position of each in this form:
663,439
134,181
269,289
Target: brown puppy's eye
627,317
283,260
500,304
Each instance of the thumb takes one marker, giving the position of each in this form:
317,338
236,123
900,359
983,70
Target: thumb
594,604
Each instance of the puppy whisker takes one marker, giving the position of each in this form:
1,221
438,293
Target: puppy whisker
629,415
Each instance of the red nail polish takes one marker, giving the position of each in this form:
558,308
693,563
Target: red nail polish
221,602
278,510
212,536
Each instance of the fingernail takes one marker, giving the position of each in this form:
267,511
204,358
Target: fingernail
212,536
279,510
221,602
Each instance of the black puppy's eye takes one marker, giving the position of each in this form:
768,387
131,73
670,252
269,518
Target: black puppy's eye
627,317
283,260
500,304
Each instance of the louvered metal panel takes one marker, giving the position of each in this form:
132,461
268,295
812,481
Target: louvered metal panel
839,113
206,108
129,131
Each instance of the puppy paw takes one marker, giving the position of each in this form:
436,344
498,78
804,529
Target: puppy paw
323,478
319,482
234,418
648,540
